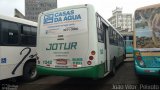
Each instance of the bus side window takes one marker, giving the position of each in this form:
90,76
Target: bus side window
33,36
127,38
114,37
100,35
98,22
119,40
116,41
111,37
122,42
100,32
10,32
25,33
131,38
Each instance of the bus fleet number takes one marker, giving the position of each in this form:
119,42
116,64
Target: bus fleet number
47,62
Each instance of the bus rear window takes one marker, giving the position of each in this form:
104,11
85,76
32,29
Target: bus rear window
147,31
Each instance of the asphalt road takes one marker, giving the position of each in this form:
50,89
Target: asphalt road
125,79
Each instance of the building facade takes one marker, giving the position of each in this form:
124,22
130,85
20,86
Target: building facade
34,7
121,21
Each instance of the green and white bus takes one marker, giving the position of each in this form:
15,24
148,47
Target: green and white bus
76,41
17,48
147,40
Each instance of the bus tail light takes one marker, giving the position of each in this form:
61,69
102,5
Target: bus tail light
139,58
89,62
93,52
91,57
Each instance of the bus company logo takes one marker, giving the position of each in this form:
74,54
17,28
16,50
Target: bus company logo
48,18
3,60
62,16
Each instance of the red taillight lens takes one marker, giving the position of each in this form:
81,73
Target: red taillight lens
89,62
139,58
91,57
93,52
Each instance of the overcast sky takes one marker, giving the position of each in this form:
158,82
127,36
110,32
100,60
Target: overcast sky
103,7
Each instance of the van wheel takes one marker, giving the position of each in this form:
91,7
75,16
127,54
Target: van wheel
29,71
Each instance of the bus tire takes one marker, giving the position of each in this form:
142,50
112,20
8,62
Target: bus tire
113,72
29,71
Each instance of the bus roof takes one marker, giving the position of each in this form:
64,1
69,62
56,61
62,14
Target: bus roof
149,6
18,20
67,7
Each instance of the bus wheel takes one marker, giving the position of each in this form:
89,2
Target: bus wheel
29,71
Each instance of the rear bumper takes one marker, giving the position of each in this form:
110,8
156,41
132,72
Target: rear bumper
147,71
89,72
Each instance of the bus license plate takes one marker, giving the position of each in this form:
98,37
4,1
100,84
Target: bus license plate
61,61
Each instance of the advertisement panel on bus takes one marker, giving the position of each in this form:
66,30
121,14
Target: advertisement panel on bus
67,36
